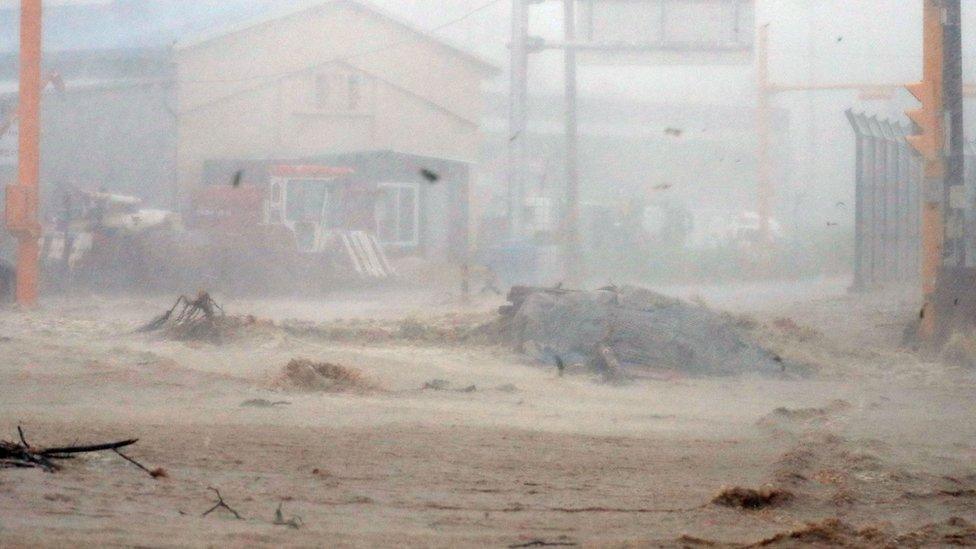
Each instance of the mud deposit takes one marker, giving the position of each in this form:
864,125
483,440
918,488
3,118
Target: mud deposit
402,423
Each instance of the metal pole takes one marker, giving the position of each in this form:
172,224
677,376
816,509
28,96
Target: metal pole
872,200
858,284
763,125
25,224
884,239
952,99
573,264
517,116
894,154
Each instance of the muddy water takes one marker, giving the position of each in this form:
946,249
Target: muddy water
524,456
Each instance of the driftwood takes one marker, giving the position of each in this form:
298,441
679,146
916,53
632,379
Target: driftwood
221,503
197,319
21,454
192,311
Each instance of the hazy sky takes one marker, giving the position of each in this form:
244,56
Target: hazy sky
823,41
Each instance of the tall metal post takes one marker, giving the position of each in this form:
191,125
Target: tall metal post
573,264
954,192
517,116
855,121
22,198
763,127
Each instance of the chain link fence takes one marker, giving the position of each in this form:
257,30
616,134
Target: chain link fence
887,188
888,180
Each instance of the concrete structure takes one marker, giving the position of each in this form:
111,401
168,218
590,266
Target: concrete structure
337,76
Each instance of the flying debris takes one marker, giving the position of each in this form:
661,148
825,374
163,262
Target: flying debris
236,181
429,175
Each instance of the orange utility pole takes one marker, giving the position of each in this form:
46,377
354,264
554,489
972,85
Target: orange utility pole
930,142
22,198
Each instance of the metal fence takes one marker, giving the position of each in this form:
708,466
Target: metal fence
888,187
888,184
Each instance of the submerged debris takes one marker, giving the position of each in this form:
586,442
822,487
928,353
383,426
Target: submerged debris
827,533
280,520
748,498
198,319
263,403
562,541
436,385
444,385
832,532
781,417
302,374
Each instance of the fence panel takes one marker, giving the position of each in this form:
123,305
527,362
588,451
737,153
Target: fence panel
887,188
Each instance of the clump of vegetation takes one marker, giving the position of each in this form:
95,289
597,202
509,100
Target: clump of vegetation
302,374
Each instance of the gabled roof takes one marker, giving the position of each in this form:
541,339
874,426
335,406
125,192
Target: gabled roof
298,7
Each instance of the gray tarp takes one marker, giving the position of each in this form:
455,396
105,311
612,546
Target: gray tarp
643,328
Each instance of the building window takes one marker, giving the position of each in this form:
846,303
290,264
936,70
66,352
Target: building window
354,92
398,214
323,91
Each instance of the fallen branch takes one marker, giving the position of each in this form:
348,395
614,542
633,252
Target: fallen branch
162,319
220,503
197,319
158,472
23,455
279,519
543,543
85,449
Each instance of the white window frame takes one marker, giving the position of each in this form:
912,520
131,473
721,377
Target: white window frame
400,187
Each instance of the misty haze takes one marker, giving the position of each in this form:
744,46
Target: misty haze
487,273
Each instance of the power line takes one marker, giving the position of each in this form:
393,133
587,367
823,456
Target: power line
346,57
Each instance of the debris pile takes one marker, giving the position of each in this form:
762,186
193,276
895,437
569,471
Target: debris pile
833,532
23,455
827,533
301,374
784,417
622,330
749,498
198,319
